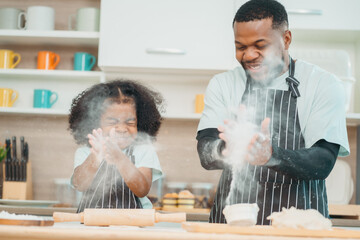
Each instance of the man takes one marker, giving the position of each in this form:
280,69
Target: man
301,111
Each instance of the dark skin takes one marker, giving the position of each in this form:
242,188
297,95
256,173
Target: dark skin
260,48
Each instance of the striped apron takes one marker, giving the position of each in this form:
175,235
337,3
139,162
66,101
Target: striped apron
271,190
108,189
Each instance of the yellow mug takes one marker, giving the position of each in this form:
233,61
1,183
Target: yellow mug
7,58
199,103
6,97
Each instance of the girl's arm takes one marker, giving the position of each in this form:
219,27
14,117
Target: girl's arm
84,173
137,179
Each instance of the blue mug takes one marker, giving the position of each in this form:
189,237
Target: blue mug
83,61
42,98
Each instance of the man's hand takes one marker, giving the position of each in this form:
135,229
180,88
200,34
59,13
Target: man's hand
259,149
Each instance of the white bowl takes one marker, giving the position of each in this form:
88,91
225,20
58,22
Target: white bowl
242,214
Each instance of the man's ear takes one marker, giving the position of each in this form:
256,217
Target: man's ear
287,39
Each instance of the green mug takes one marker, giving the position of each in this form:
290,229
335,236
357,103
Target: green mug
42,98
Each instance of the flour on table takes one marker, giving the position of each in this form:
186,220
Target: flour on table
6,215
298,218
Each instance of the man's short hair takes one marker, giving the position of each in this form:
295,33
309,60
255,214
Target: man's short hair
262,9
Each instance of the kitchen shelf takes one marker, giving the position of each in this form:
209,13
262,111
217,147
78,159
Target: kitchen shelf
33,111
353,119
190,116
70,75
56,112
57,37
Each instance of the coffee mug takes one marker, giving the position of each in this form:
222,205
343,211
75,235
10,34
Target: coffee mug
7,58
87,19
42,98
47,60
9,18
6,97
199,103
38,18
83,61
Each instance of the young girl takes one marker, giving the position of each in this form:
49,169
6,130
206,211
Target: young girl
116,121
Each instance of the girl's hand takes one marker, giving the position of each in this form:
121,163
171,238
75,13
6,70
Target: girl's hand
259,149
113,153
97,140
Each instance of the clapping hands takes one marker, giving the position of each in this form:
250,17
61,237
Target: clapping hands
105,147
243,141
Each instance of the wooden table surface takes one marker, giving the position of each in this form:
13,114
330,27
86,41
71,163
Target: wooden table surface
80,232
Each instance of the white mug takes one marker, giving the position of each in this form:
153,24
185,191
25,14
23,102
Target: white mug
39,18
87,19
9,18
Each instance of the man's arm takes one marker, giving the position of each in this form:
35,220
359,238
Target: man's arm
209,148
315,162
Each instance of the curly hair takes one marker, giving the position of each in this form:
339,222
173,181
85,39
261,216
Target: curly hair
262,9
88,106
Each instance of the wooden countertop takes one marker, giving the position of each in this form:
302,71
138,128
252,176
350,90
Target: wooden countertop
48,211
77,231
80,232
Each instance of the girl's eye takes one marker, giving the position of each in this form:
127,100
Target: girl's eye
241,48
132,123
110,123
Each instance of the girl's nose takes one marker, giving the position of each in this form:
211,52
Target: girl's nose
120,127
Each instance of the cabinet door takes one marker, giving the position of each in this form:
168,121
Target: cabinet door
321,14
169,34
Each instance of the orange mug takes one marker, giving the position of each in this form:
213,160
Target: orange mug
199,103
47,60
6,97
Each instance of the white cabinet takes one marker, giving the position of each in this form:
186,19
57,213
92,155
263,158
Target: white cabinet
166,34
67,83
321,14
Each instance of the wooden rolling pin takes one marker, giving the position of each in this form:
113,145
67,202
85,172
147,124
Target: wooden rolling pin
129,217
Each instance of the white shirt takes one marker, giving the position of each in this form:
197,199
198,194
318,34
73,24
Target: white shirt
321,106
145,156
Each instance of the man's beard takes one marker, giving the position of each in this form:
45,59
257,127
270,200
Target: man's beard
274,69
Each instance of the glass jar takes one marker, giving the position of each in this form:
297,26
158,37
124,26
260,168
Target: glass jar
202,194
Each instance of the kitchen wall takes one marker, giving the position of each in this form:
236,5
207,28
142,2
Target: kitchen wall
52,150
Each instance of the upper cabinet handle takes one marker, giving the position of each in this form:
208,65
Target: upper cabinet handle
174,51
305,11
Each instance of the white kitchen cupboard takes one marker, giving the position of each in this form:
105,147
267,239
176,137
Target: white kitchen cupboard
66,83
321,14
25,77
166,34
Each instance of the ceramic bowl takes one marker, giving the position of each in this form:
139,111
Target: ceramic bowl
242,214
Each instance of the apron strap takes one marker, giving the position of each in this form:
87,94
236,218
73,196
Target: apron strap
292,81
